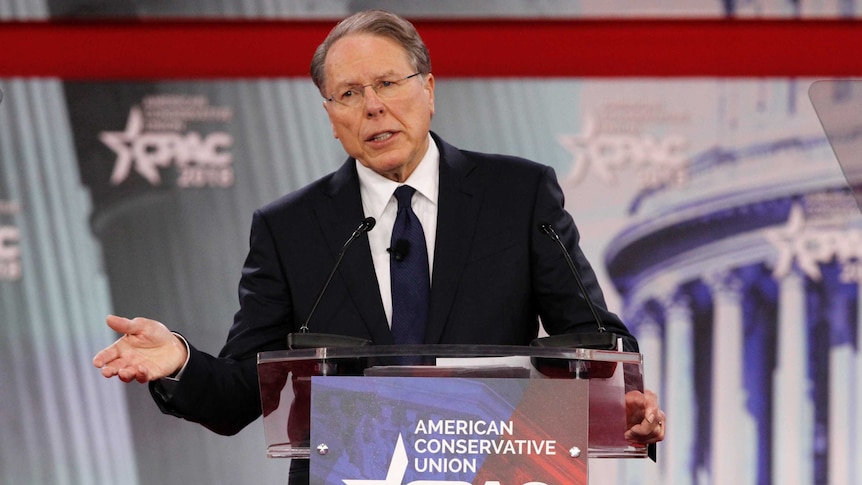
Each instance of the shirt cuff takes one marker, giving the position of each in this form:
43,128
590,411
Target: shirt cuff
179,373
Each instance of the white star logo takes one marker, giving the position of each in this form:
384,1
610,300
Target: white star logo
120,142
784,239
133,148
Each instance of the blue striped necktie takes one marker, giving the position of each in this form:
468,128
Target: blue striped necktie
408,267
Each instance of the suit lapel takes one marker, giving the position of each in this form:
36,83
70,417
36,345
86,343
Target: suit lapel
458,208
339,215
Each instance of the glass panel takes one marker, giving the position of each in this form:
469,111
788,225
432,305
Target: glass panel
286,380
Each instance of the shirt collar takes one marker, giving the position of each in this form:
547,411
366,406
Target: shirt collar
377,190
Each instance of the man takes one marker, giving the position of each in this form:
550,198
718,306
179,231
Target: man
492,272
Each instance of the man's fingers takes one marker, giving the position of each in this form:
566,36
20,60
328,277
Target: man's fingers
108,371
645,417
133,373
648,431
125,376
106,355
112,365
143,375
120,324
635,407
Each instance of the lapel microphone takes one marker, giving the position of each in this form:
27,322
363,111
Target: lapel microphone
603,339
308,340
399,250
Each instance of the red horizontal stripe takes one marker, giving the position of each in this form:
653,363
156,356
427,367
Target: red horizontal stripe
165,49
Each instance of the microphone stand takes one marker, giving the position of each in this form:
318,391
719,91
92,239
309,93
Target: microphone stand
602,340
308,340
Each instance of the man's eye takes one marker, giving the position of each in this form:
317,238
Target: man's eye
385,84
348,94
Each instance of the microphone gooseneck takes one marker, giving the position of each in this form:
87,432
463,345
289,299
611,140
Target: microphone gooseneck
549,231
366,225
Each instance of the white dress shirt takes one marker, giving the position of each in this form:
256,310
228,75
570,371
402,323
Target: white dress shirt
379,202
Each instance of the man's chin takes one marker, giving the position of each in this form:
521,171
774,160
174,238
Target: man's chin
391,167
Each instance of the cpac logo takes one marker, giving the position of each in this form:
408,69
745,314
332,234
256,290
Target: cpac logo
659,161
811,247
398,467
201,160
10,253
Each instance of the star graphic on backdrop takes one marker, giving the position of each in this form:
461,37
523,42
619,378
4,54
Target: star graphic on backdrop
785,240
121,142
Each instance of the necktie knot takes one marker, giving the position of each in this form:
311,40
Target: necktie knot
404,196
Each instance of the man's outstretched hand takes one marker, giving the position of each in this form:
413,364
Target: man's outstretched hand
147,351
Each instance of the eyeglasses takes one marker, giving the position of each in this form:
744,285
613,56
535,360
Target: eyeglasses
354,95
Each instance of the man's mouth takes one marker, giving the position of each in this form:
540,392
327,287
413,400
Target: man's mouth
381,136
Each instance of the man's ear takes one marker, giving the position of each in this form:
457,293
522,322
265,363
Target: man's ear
429,86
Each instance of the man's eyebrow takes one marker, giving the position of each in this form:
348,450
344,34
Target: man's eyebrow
385,76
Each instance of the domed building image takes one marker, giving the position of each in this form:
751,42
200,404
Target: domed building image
740,276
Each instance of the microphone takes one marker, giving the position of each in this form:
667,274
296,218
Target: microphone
603,339
307,340
400,249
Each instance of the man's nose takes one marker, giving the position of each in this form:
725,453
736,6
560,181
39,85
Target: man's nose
373,104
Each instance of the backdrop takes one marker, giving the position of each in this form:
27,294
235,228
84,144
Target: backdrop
712,208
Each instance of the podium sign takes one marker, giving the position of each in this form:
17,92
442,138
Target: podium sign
501,415
446,430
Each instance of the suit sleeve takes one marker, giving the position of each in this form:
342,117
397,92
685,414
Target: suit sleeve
222,393
562,308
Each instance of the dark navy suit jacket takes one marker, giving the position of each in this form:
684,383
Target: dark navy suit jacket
494,275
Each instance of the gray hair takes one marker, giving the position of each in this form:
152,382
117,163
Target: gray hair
374,22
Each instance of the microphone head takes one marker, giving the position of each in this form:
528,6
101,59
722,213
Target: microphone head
368,223
546,229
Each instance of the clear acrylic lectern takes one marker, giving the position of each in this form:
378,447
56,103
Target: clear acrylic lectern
454,412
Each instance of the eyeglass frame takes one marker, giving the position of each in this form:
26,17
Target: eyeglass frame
360,89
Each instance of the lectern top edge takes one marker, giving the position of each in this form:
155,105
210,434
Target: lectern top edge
451,351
